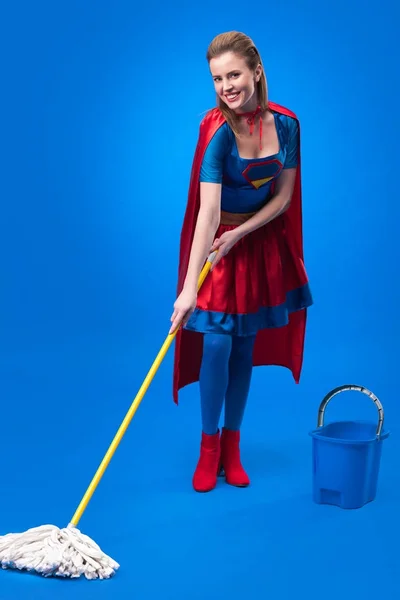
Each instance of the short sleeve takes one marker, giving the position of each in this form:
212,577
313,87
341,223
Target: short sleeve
213,160
292,154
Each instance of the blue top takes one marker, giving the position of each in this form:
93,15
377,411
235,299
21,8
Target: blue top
247,182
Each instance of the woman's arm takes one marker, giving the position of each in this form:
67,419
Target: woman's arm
207,224
278,204
208,219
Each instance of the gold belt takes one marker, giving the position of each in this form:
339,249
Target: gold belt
228,218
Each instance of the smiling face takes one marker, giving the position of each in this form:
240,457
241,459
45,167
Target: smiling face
234,82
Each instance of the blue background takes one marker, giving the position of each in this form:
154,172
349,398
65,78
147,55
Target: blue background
101,104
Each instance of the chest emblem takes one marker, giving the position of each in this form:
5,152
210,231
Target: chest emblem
261,173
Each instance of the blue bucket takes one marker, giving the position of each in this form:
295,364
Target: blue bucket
346,456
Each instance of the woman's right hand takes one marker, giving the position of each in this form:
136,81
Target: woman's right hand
183,308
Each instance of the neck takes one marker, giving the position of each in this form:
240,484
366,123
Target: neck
248,110
251,116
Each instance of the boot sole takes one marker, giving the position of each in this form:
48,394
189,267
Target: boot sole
221,473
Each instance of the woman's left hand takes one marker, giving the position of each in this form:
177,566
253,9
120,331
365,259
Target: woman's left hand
223,244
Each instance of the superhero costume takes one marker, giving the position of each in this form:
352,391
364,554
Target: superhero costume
270,292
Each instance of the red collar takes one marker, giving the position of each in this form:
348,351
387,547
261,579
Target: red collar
251,117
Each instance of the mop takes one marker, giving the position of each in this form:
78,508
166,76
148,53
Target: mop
53,552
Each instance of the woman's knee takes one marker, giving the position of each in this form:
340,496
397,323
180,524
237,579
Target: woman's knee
242,347
217,346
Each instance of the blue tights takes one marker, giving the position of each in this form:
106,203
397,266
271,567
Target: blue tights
225,374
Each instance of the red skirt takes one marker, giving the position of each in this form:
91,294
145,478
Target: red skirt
255,286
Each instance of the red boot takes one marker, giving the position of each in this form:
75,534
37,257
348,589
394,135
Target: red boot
205,475
230,459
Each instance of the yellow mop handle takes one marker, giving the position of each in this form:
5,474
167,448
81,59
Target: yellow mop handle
134,406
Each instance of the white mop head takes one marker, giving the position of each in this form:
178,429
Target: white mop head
50,551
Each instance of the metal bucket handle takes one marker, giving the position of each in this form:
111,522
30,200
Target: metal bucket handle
357,388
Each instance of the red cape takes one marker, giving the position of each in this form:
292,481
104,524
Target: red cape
283,346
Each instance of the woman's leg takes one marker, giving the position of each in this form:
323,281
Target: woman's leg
240,371
214,377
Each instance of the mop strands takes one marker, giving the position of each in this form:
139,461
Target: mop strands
50,551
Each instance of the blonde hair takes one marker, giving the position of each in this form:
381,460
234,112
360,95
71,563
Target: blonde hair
241,45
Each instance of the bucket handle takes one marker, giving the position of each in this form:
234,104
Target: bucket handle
357,388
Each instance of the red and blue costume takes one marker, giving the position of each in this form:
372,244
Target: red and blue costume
251,309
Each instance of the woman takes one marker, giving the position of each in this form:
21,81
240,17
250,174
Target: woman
244,201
